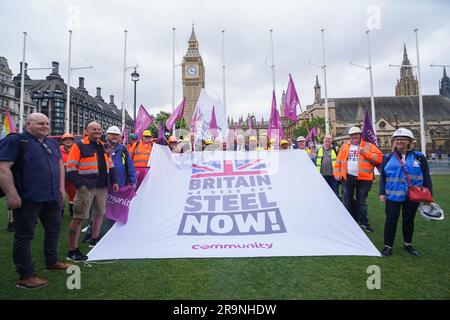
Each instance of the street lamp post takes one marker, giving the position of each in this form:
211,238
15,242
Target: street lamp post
135,78
396,121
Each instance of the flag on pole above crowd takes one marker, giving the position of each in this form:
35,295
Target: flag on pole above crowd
175,116
143,120
8,126
275,120
194,120
161,134
201,120
213,128
368,133
311,138
291,101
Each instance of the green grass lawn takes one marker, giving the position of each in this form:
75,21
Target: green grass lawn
402,276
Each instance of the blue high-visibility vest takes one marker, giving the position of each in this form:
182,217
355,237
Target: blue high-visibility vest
396,183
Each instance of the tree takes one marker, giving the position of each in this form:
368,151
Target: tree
317,122
159,117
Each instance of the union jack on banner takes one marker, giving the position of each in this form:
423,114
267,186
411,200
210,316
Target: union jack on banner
229,168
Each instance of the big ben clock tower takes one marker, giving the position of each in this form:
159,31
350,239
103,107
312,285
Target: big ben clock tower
193,77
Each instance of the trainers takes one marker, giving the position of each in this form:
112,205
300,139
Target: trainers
411,250
387,252
59,265
76,255
367,228
33,282
11,227
92,242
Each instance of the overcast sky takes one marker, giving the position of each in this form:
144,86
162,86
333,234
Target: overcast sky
98,39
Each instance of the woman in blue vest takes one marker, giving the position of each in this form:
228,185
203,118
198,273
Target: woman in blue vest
394,188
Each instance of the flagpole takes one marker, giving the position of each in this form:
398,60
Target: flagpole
324,66
67,121
273,60
22,84
173,76
223,71
173,69
372,96
422,124
123,79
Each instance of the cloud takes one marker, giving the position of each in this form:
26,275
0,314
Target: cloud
296,35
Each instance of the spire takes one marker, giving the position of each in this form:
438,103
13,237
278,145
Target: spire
193,38
445,73
317,92
405,56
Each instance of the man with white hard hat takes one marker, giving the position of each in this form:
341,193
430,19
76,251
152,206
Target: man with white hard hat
354,167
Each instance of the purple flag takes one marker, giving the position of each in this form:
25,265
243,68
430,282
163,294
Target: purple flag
312,137
161,134
141,172
143,120
213,128
368,134
275,120
175,116
291,101
117,204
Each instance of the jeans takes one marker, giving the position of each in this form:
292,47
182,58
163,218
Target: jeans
392,211
26,219
361,188
333,183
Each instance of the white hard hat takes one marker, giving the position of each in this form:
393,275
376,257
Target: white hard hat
402,132
114,130
301,138
431,211
354,130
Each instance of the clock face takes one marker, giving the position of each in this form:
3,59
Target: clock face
192,70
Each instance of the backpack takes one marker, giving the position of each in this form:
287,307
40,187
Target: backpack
17,166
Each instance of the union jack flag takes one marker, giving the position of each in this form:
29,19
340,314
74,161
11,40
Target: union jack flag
229,168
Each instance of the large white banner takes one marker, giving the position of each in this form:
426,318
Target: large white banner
233,204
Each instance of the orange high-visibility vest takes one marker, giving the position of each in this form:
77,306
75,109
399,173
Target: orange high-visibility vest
140,154
64,154
366,162
83,158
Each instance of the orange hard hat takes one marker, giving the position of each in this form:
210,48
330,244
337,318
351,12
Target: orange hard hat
67,136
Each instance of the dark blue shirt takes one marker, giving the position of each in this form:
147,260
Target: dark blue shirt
40,172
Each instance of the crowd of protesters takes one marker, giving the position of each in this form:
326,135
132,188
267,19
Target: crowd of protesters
36,173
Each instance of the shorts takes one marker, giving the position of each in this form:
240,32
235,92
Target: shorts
86,198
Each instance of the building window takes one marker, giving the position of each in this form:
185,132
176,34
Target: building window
382,125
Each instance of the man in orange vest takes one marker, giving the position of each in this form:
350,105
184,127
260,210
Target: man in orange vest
141,151
91,170
67,140
354,167
133,138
